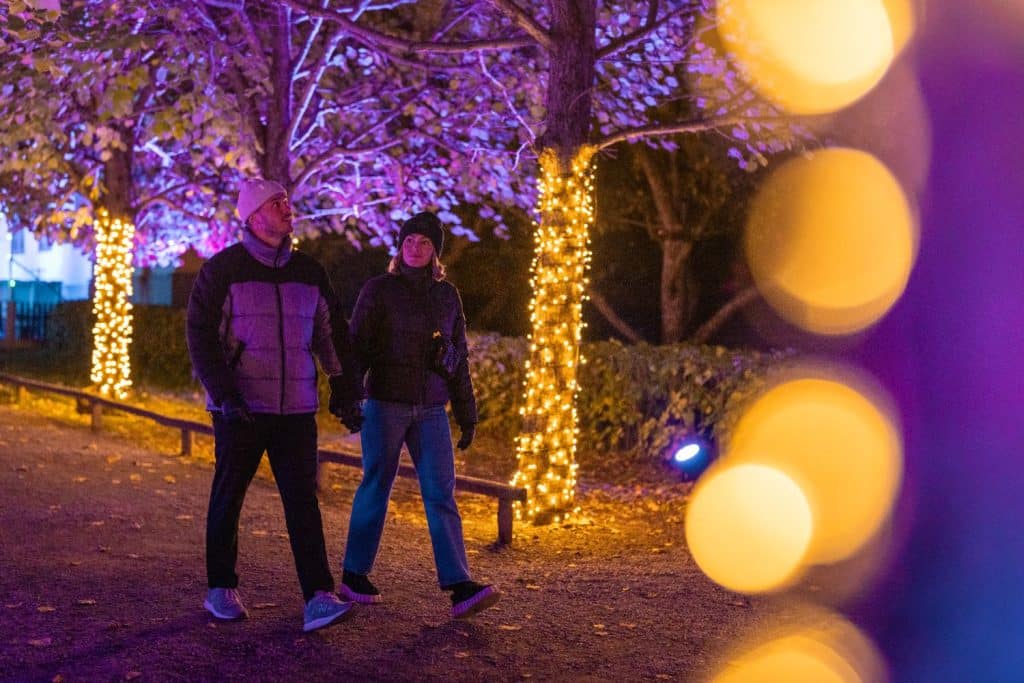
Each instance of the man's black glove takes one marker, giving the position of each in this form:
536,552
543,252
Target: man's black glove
468,432
352,417
234,409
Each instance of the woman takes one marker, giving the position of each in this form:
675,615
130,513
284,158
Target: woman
410,335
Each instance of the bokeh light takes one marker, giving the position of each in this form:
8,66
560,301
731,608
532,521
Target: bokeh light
831,240
808,56
840,448
748,527
829,650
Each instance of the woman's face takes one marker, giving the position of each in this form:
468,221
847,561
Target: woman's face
417,250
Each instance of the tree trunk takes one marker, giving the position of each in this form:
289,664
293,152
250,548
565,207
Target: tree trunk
546,448
114,231
677,304
276,161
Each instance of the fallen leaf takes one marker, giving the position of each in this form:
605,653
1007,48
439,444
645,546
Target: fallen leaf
184,518
510,627
13,605
136,525
532,587
57,679
133,556
169,478
624,624
336,487
40,642
115,481
598,626
103,548
79,480
135,477
600,633
85,602
461,654
98,522
21,468
46,608
75,563
259,532
111,459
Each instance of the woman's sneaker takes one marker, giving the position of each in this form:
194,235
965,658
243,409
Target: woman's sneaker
225,603
324,609
357,588
470,597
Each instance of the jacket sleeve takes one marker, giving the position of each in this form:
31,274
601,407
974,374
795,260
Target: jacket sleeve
460,388
202,333
332,343
325,320
364,330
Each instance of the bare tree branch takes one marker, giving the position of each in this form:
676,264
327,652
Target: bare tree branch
526,22
609,314
734,304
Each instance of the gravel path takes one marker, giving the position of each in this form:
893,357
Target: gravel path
101,578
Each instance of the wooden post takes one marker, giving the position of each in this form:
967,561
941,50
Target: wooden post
186,442
97,416
504,521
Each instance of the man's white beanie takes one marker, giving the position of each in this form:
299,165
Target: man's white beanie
254,194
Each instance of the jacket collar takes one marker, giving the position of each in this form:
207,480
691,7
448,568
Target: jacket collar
266,254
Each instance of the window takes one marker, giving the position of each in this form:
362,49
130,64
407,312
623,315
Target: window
18,242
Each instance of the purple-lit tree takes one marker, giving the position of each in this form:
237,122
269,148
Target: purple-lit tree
93,117
544,86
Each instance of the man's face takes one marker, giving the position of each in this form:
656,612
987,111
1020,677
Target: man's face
417,250
272,222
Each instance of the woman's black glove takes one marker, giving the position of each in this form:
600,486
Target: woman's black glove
352,417
468,432
233,409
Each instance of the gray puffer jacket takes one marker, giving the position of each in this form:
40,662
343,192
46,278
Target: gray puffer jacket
258,320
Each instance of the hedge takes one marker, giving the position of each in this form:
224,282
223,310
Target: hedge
636,399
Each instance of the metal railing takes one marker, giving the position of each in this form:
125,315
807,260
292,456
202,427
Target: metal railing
93,405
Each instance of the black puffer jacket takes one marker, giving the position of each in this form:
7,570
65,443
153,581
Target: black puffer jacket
392,326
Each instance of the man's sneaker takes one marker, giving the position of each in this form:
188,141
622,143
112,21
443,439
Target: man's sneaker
470,597
357,588
225,603
324,609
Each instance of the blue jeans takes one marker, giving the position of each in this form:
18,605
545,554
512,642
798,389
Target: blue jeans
424,429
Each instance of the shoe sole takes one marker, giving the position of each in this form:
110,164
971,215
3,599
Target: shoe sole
361,598
476,604
220,615
328,620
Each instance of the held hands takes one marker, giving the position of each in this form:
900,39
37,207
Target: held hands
352,417
348,411
234,409
468,432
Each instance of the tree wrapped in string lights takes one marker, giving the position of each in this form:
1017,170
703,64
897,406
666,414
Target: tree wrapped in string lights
538,89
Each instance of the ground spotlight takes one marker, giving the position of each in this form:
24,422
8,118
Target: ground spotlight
691,456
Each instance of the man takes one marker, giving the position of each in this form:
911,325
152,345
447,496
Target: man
259,317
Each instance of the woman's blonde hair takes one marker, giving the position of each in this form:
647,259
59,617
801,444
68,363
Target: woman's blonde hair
437,270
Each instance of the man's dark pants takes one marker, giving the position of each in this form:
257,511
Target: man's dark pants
290,442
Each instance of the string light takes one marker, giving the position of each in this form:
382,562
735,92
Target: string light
111,305
546,449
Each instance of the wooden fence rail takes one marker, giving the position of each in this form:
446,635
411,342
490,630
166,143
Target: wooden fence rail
93,405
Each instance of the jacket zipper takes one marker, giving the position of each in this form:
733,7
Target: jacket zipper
280,331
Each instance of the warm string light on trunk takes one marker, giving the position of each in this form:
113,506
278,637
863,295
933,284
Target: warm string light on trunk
111,307
546,448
